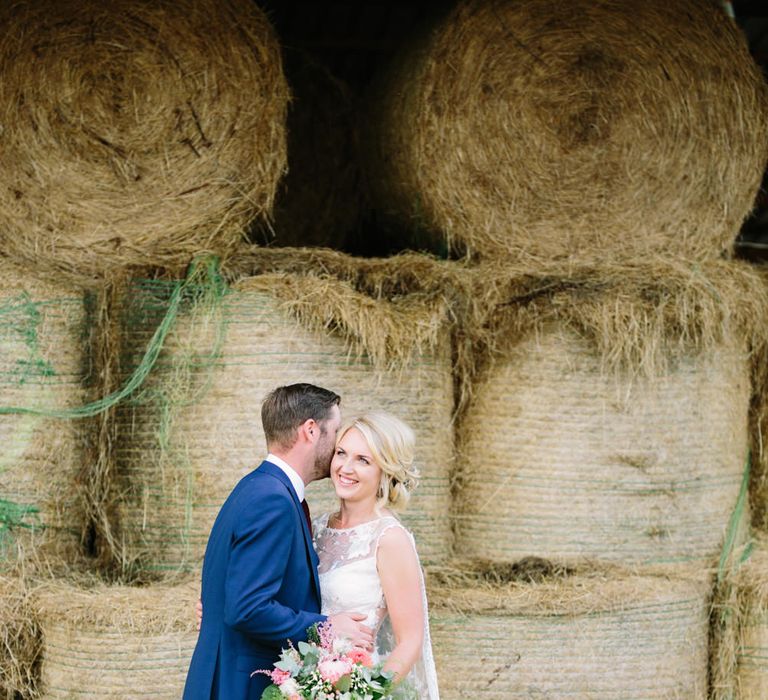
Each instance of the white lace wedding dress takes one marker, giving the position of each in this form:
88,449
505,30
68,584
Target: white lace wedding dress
349,582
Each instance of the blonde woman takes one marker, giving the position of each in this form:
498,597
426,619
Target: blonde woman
368,560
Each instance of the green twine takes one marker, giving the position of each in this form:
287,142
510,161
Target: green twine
14,516
200,271
733,524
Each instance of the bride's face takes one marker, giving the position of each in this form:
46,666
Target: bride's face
354,473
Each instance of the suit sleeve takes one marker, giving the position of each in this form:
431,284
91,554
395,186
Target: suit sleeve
255,574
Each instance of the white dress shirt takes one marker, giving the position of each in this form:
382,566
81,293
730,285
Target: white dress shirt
290,472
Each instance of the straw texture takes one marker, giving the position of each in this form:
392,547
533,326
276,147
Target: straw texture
42,363
584,129
116,642
740,628
19,641
562,460
605,635
135,132
196,429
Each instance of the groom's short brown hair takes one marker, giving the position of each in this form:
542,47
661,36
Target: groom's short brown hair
287,407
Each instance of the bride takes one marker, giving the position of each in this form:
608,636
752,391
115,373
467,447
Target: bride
368,560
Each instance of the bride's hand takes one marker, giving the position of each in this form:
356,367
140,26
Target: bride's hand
199,611
349,626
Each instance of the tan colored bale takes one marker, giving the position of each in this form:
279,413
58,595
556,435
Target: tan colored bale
136,133
195,429
116,642
565,461
585,129
43,364
604,634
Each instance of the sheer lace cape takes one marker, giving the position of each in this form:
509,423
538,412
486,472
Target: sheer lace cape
349,581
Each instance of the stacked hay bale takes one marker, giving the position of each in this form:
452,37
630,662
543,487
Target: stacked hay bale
136,133
595,160
116,642
43,365
581,633
522,129
618,401
194,429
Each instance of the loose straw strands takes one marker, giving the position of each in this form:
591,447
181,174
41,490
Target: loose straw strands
739,658
521,129
136,133
20,642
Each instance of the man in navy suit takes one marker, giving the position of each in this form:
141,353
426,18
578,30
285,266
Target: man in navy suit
260,586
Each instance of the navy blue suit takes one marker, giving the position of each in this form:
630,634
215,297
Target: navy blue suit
260,588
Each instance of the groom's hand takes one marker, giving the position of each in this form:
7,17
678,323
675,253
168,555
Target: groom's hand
350,626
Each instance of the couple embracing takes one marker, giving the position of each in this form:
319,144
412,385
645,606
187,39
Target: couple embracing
266,580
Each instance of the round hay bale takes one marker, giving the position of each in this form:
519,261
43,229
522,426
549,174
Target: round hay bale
195,429
563,460
42,365
116,642
319,202
584,129
19,641
600,635
135,133
740,629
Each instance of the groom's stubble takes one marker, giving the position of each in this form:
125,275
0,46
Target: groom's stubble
326,446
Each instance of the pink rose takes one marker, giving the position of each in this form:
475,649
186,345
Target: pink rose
279,676
333,669
358,656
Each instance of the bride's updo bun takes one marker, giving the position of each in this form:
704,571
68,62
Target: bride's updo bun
392,443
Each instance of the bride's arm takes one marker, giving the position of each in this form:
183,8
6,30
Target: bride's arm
400,578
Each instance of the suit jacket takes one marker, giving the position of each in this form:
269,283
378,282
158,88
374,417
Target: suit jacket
260,588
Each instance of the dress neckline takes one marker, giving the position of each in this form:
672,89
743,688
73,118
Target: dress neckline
353,527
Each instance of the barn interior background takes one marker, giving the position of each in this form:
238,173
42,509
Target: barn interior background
519,225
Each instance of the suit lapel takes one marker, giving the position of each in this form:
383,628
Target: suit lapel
275,471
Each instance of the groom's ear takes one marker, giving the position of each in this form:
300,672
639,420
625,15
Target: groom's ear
309,431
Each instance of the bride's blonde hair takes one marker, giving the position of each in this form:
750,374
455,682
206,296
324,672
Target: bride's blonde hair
391,442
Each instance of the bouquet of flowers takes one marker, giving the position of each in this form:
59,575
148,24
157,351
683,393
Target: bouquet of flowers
325,668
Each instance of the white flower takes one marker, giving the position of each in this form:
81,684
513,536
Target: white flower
341,645
289,687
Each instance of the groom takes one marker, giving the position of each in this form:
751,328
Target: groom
260,585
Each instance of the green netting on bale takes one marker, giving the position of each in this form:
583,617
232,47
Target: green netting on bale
42,334
193,429
186,372
43,389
